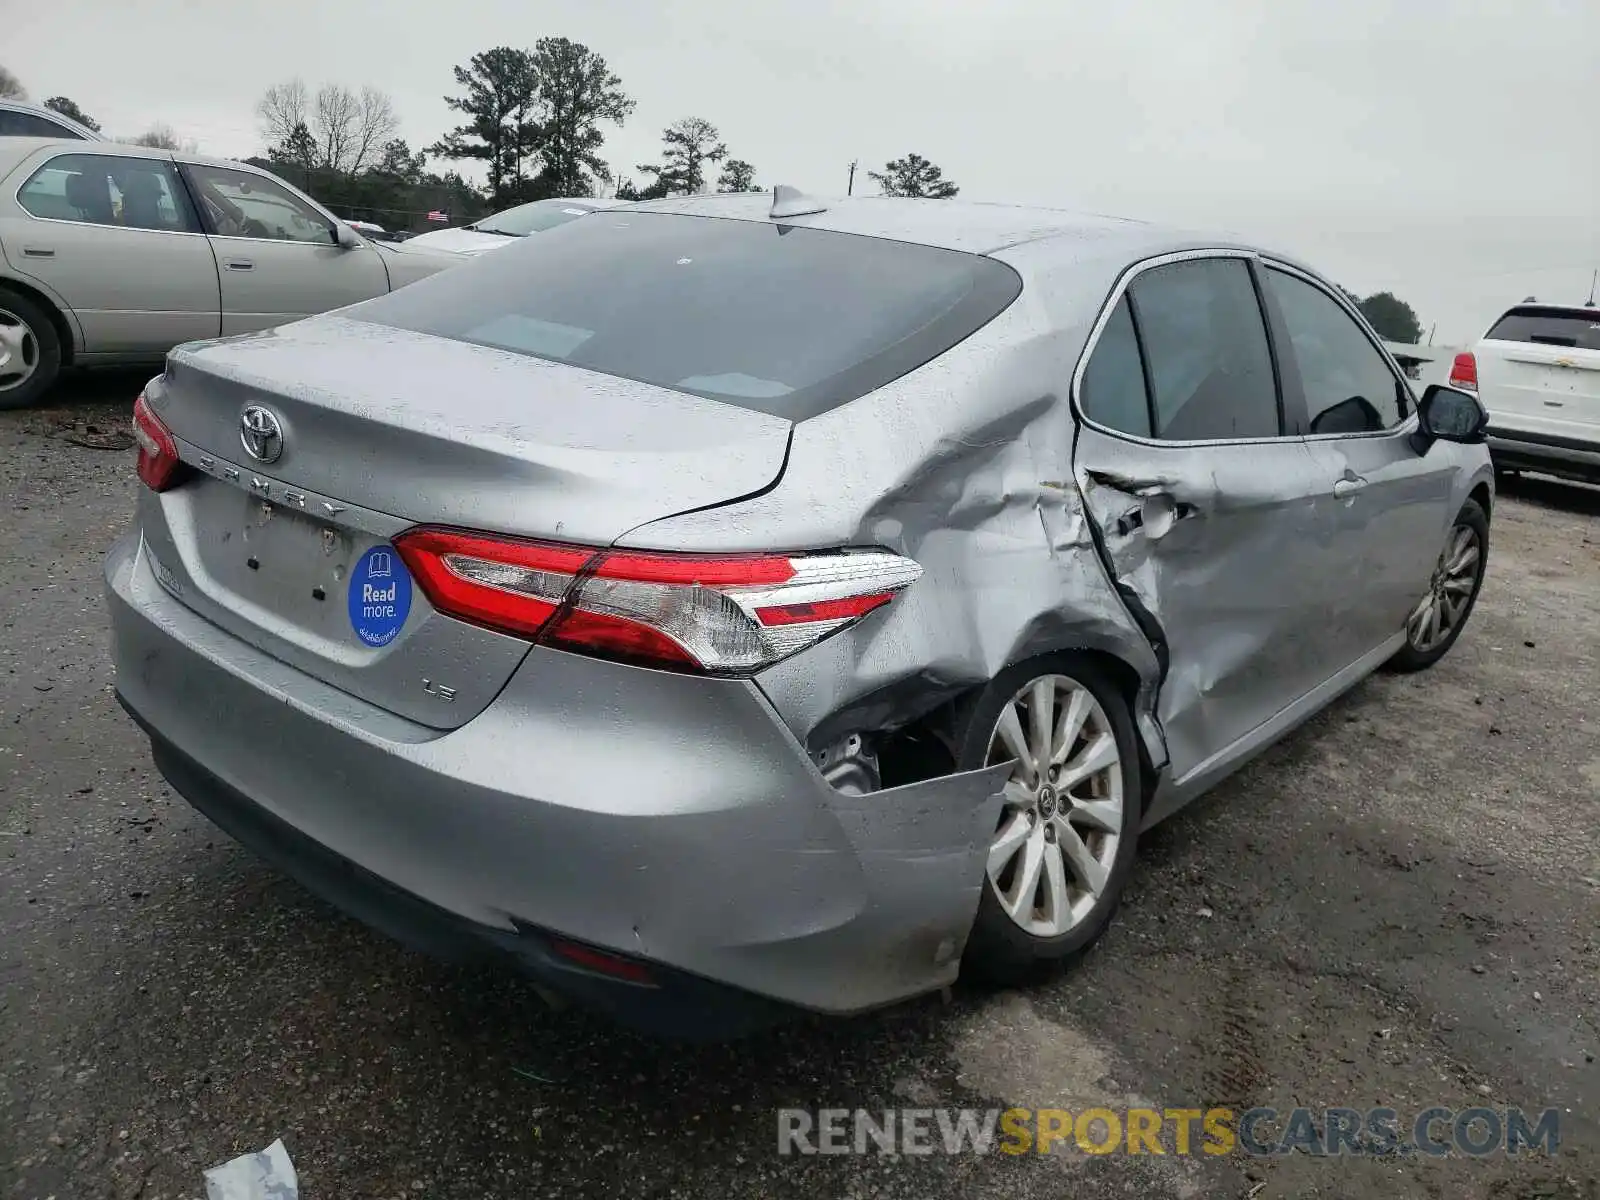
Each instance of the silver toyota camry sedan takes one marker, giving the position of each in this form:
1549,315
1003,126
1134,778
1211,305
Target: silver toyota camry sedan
742,604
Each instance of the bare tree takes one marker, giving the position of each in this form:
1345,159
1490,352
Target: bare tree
349,129
333,123
376,126
11,87
283,108
162,136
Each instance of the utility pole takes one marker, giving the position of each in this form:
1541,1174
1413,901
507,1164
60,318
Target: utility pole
850,188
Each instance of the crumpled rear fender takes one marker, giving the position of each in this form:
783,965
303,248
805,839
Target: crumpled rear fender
976,484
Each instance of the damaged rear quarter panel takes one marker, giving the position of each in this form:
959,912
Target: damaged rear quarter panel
964,465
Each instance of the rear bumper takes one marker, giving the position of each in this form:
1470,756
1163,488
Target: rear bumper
673,1004
1566,456
668,818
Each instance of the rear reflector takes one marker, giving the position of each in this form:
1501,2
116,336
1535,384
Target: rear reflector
1464,371
159,463
719,614
602,962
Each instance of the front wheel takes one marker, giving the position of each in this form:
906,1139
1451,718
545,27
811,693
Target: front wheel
1440,616
1064,843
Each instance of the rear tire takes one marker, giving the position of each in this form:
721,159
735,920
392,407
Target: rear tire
1072,828
30,350
1441,615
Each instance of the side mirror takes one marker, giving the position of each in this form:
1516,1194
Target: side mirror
1446,414
345,237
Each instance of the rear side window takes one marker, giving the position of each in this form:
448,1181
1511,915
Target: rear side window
1578,329
1205,345
105,189
780,319
1349,387
21,124
1113,383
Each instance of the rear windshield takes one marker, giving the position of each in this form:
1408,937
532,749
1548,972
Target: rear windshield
531,218
781,319
1579,328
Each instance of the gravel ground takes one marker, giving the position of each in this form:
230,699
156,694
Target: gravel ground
1396,906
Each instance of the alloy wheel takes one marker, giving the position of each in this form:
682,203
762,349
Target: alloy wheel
1061,818
19,351
1450,590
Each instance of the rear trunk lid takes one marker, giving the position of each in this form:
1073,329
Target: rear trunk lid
380,429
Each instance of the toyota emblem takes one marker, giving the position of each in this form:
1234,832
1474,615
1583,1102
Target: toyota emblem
261,434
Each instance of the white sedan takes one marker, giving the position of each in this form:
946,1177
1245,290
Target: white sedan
113,254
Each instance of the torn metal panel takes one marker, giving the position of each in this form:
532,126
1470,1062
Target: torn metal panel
1226,553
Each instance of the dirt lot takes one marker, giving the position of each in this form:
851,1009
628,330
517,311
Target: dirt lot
1398,906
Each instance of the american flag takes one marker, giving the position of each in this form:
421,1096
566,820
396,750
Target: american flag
439,215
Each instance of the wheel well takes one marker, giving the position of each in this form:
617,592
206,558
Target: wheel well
57,318
1482,495
923,749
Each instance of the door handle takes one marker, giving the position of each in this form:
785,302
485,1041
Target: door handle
241,264
1344,489
36,252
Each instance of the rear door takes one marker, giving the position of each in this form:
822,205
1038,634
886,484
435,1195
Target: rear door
1386,507
114,235
1539,373
278,255
1204,501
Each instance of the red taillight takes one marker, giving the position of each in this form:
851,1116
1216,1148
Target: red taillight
1464,371
726,614
158,453
510,585
602,962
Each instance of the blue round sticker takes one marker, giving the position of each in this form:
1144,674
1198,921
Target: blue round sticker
380,596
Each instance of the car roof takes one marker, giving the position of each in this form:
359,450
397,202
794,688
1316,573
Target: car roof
14,149
1555,310
978,228
17,148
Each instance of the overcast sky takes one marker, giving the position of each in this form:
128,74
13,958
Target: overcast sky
1442,149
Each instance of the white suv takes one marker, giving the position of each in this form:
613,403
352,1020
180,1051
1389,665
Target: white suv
1537,371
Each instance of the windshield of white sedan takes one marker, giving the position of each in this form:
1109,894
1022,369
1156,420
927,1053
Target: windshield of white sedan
781,319
530,218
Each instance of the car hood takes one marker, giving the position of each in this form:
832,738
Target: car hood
461,241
